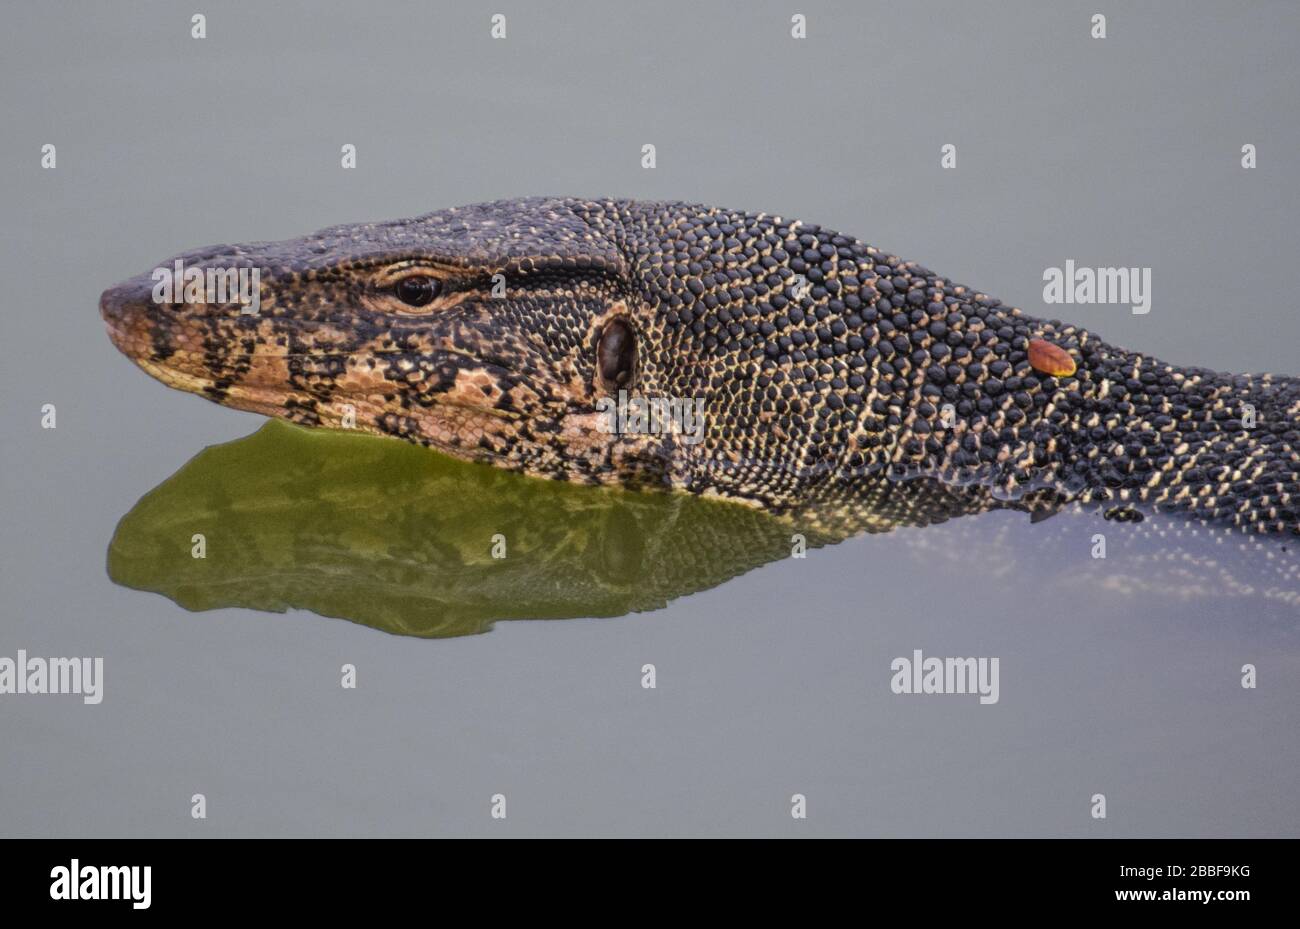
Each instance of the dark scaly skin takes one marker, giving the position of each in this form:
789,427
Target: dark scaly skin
809,399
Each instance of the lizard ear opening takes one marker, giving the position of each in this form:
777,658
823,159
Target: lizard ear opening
616,355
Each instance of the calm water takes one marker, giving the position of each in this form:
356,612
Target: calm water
1119,676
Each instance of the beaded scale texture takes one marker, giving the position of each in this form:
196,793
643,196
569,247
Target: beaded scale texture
831,374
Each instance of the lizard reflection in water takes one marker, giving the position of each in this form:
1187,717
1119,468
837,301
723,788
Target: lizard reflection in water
388,535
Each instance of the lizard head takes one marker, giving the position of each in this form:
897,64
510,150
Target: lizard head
814,363
491,332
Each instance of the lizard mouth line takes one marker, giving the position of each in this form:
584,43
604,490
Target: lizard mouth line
268,397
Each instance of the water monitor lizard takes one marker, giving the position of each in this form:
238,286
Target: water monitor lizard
491,331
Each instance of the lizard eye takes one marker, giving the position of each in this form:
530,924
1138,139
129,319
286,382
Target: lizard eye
616,353
417,291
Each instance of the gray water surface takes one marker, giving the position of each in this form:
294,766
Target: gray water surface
1120,677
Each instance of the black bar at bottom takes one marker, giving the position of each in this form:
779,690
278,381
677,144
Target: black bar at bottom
333,877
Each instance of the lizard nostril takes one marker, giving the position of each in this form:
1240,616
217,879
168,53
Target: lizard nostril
117,303
109,308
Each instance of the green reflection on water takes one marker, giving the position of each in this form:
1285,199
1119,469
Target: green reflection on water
401,539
